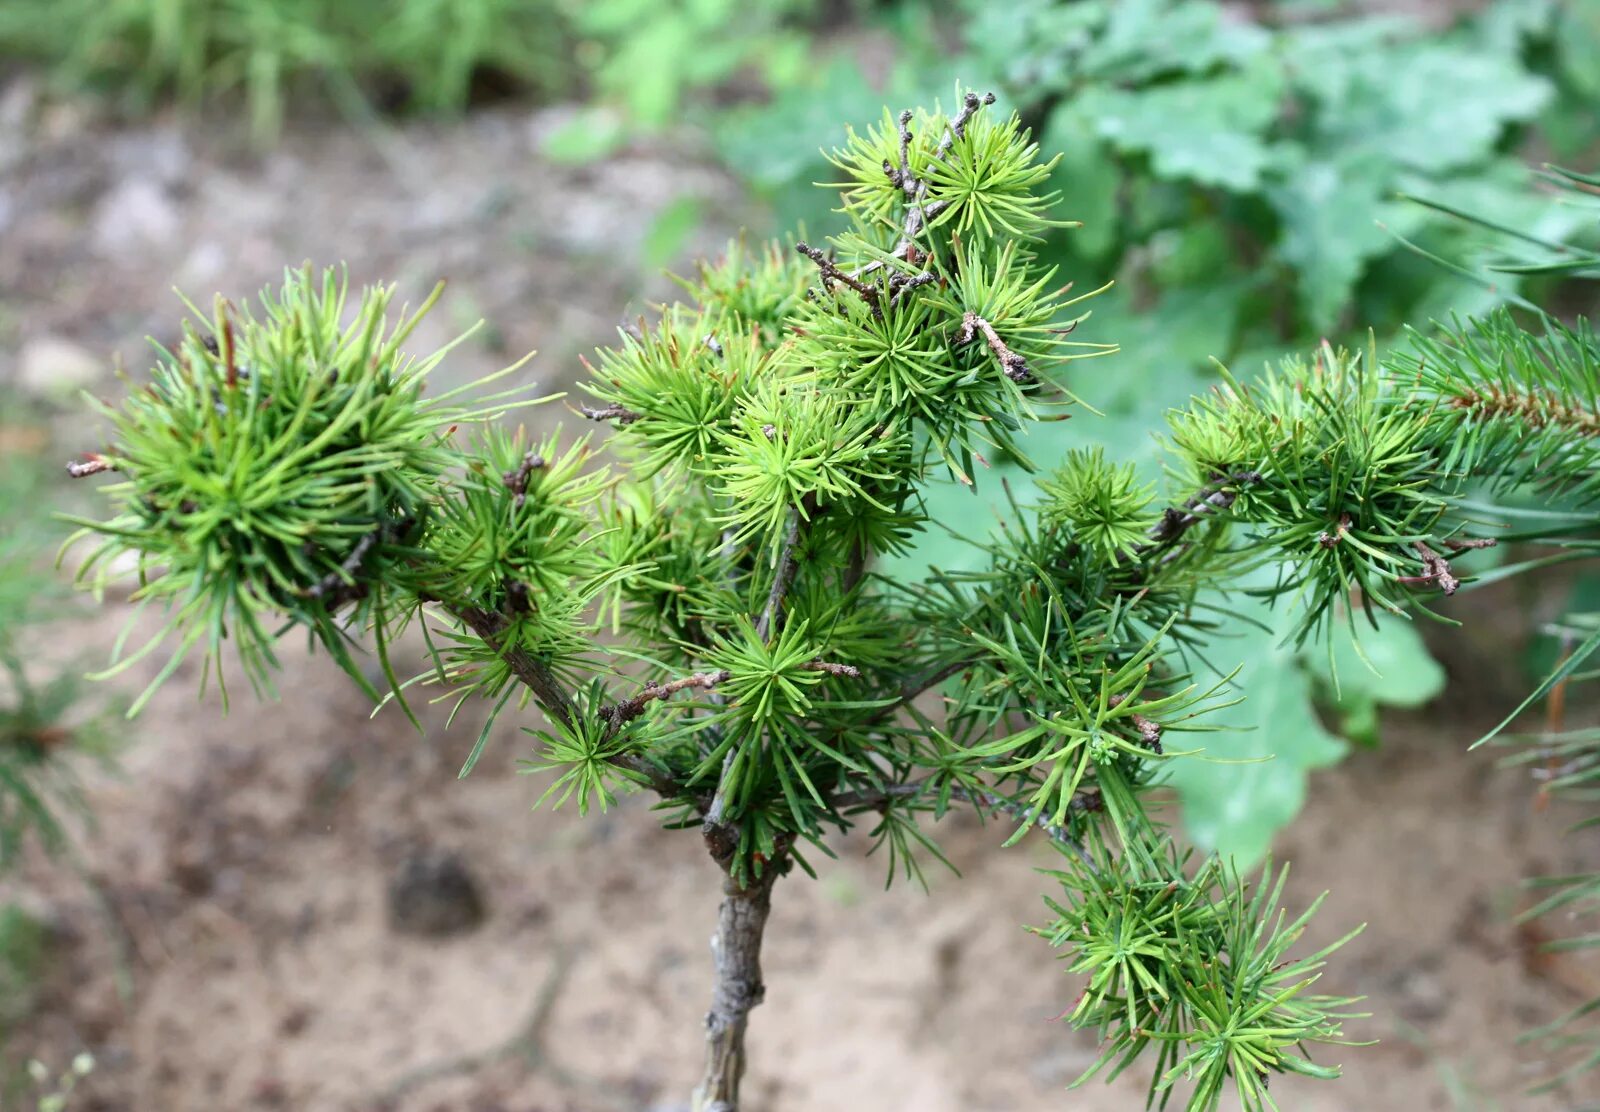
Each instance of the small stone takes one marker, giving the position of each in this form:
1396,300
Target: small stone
53,367
434,895
161,155
135,216
1423,997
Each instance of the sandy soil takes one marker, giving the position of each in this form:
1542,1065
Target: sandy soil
241,866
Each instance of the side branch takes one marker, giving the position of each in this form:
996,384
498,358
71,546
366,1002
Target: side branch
1014,365
918,212
529,669
547,689
339,587
978,797
831,273
621,414
916,685
619,714
1532,410
1220,494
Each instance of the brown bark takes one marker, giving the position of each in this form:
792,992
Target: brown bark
736,953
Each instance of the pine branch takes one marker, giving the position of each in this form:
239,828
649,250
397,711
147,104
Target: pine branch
552,696
1014,365
621,414
879,797
1533,410
831,273
619,714
738,985
1220,494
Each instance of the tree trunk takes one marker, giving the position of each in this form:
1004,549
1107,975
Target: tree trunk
736,953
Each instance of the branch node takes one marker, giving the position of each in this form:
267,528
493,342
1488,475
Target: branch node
517,481
1219,494
1435,572
902,285
1328,540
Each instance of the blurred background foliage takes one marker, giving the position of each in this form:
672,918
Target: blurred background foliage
1255,177
53,725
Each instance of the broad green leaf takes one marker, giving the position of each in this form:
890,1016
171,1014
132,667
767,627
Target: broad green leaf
1508,25
1033,45
1236,809
1167,348
1433,108
1335,217
1209,131
1144,39
1087,177
1370,667
647,69
1387,666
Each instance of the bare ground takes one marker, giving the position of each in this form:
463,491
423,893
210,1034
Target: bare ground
240,869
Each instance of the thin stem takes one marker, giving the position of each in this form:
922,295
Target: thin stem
340,586
856,569
979,797
831,272
781,579
916,685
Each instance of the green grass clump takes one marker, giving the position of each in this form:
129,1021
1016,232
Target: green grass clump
425,54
